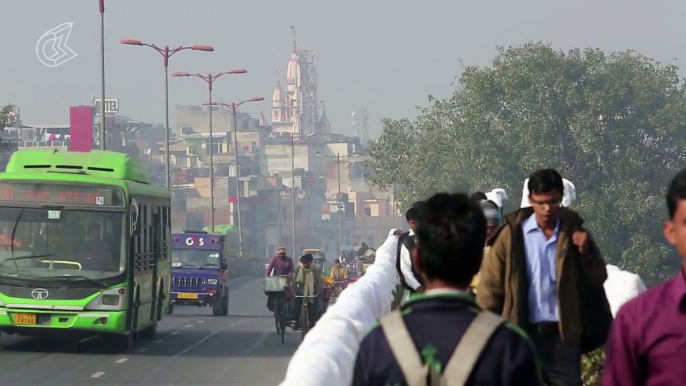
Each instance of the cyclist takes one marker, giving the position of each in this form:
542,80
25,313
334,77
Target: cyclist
281,265
307,282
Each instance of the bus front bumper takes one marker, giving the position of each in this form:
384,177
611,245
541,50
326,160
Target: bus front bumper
38,321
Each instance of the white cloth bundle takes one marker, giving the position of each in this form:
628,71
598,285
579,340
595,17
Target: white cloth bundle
621,286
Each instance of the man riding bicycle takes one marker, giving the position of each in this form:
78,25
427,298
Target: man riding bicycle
307,282
281,265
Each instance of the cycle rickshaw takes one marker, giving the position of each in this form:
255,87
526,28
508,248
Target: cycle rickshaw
285,314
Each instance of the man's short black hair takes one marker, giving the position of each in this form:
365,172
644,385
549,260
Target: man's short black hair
545,181
478,196
306,258
676,192
413,212
451,232
337,261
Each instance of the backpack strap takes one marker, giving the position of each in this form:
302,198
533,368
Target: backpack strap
403,348
472,344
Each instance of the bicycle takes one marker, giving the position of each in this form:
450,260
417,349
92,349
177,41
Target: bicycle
304,314
276,287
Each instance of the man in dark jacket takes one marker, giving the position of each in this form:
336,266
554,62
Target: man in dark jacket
451,231
536,268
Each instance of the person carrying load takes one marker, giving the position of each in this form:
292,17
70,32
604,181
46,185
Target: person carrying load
441,337
307,281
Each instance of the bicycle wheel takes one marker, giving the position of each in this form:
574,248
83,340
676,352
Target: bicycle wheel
283,322
304,322
277,315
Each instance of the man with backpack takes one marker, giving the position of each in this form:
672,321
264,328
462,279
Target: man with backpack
440,337
410,279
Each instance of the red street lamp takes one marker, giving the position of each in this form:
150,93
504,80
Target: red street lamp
209,79
166,54
234,108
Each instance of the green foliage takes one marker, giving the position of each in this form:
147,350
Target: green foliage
614,124
5,116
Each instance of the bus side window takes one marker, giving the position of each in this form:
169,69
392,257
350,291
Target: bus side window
164,235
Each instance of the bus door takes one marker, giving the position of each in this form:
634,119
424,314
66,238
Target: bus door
156,249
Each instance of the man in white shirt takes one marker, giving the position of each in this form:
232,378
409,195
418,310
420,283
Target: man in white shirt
409,276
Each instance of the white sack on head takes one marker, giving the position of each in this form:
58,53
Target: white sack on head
568,197
498,196
621,286
328,353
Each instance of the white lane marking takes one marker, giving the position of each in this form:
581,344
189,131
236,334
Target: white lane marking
174,333
201,321
159,341
258,343
190,325
201,341
143,349
208,336
98,374
122,360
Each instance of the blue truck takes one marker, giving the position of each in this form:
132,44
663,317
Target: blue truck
200,275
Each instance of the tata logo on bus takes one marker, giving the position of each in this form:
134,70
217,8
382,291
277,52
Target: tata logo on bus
190,241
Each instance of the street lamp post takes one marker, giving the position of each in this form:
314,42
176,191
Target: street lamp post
293,189
102,58
166,54
209,79
339,199
234,108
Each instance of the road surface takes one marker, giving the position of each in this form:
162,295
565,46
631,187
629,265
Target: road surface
191,348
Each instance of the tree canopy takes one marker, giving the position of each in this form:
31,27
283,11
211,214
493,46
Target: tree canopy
614,124
5,116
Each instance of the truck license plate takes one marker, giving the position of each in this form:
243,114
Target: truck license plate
21,318
187,296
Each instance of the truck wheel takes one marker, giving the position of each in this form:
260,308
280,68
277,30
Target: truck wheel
217,307
225,305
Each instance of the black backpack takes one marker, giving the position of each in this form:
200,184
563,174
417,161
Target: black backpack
408,241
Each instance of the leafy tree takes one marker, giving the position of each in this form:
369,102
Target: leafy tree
5,114
611,123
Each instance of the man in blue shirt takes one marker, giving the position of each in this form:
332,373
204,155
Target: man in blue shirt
543,272
441,333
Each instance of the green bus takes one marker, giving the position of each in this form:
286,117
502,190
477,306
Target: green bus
84,246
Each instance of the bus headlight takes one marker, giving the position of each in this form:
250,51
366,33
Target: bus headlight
212,281
110,300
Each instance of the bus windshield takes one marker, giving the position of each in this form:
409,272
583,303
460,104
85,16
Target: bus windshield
46,243
194,258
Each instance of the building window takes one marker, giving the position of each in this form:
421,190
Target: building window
217,145
367,212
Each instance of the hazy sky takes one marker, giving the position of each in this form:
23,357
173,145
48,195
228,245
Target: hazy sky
382,54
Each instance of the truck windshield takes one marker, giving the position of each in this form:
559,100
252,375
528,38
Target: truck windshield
42,243
194,258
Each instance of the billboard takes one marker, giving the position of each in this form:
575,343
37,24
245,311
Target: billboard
81,128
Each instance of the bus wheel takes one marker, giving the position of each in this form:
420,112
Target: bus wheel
170,309
225,305
149,332
119,343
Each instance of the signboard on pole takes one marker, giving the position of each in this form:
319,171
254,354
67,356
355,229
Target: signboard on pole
111,105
